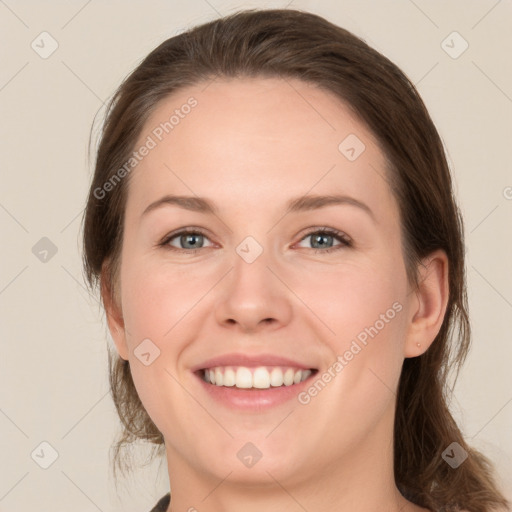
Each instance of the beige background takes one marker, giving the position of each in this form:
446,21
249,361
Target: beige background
53,377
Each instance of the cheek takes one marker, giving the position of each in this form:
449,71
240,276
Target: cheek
157,298
365,309
353,296
362,307
158,305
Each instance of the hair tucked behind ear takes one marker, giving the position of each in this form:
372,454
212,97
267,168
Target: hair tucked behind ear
293,44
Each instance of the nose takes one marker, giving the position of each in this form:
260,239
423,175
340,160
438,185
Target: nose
253,297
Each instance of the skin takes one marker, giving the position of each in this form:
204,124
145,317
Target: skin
249,146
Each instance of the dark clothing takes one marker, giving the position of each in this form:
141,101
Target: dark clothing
162,505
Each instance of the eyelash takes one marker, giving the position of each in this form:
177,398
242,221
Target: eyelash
341,237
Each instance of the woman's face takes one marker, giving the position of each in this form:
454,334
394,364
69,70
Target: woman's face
258,295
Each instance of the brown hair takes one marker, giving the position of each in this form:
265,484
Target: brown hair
294,44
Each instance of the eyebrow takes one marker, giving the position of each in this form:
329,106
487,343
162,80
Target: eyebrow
303,203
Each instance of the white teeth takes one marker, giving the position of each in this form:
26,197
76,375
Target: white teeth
260,378
243,378
218,377
276,377
229,377
288,377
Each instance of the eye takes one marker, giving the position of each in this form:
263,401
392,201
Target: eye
322,240
185,240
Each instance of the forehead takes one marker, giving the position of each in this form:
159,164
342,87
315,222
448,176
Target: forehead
257,139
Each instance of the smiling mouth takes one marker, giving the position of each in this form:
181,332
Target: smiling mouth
260,377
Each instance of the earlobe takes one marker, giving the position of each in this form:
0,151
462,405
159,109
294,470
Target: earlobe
430,303
113,312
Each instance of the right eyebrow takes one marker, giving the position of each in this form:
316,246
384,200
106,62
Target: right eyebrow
194,204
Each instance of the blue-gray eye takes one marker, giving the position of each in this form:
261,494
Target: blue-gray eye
323,240
186,240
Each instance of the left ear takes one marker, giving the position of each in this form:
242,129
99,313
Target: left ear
428,304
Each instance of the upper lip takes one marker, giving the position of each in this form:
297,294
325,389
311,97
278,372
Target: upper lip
250,360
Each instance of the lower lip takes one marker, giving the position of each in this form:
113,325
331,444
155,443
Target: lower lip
253,399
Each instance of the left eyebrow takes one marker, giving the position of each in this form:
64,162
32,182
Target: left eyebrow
312,202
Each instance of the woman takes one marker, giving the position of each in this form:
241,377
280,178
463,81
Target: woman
281,260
